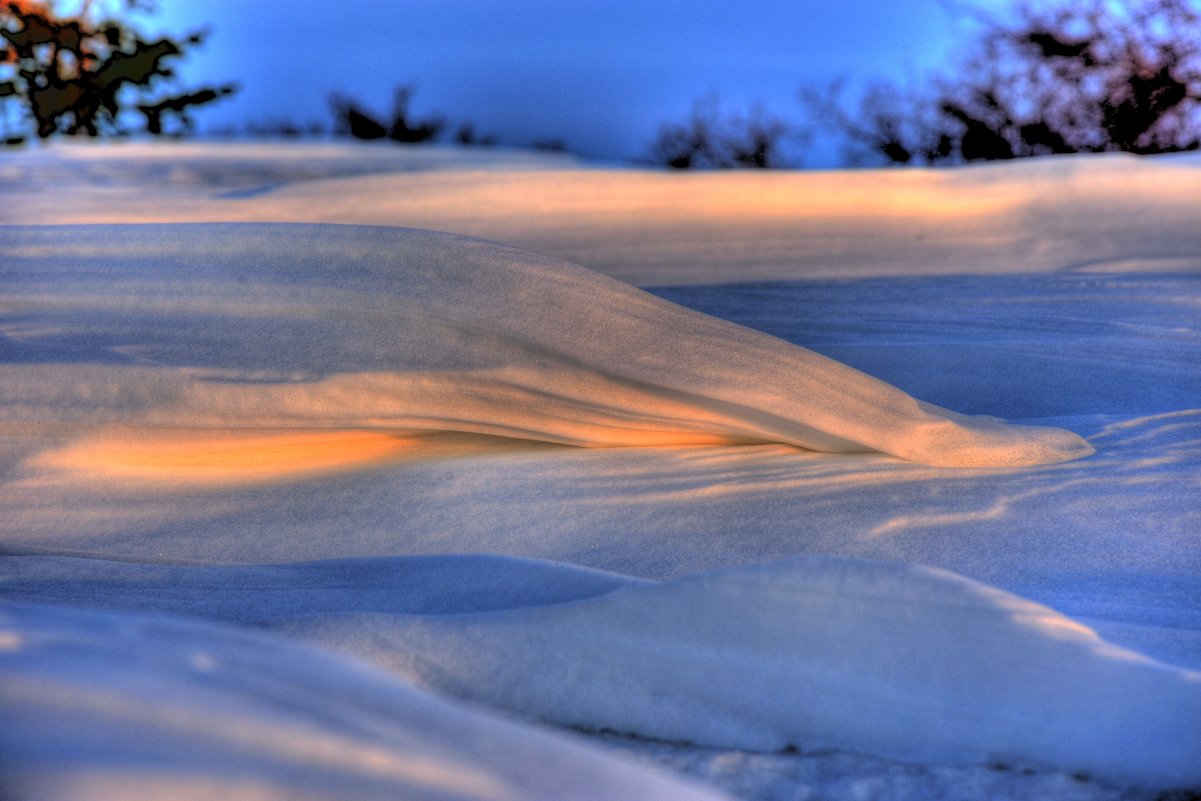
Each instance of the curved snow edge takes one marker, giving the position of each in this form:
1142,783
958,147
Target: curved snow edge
461,335
902,661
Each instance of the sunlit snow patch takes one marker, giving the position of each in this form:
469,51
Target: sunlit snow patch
145,349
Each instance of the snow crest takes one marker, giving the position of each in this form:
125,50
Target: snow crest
897,660
428,343
120,705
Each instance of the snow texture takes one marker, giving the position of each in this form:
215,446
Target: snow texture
915,664
433,332
100,706
293,503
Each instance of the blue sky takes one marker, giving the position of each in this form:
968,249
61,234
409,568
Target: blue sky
600,75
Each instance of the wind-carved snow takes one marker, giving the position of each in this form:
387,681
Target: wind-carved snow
897,660
97,705
901,661
192,409
371,344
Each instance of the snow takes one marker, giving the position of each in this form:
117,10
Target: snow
102,706
345,455
1110,212
431,333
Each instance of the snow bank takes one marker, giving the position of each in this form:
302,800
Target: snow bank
100,705
200,402
898,660
363,341
652,227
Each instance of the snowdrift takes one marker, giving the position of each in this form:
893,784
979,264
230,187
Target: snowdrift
288,510
897,660
95,705
1108,212
192,376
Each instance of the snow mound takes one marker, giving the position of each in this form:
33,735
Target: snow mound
102,705
651,227
897,660
238,352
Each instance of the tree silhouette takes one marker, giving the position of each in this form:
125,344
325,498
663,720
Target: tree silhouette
709,139
466,135
69,74
351,119
1088,77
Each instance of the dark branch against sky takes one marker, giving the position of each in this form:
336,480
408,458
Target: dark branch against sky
601,76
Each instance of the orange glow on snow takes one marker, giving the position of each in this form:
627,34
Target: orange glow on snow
197,458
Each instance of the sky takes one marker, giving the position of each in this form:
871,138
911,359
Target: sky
602,76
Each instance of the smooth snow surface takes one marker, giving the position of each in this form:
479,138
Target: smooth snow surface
297,510
902,661
100,706
419,333
1108,213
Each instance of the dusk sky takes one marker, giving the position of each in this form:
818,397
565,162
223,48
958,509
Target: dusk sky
601,76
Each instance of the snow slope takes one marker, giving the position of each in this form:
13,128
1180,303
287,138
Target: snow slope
101,706
907,662
430,333
1111,212
335,444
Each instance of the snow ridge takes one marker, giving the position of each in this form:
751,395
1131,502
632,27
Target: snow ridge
425,333
898,660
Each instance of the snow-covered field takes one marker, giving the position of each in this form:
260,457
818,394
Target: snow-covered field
885,485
